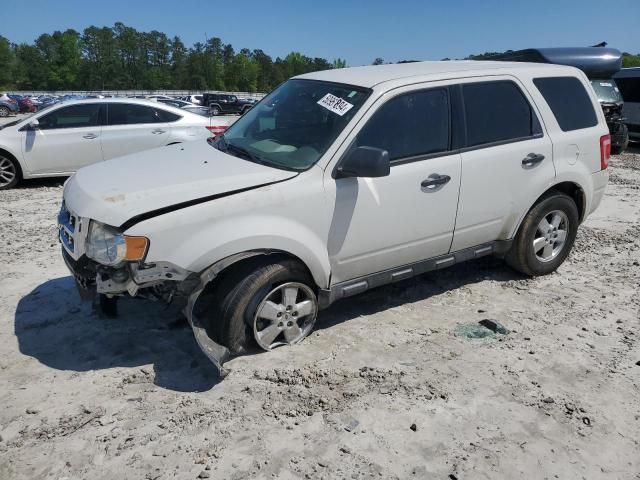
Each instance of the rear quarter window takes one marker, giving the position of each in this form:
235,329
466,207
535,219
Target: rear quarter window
569,102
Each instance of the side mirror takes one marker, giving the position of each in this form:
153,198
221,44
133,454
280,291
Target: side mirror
34,124
368,162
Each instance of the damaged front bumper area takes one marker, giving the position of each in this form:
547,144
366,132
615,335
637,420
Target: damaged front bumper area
157,281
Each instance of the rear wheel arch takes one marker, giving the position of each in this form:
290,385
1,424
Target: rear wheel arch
571,189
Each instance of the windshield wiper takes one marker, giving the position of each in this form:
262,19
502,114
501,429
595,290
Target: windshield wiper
225,146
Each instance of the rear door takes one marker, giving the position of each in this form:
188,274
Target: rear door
630,88
132,128
507,156
66,139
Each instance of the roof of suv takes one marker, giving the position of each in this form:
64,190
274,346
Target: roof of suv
371,75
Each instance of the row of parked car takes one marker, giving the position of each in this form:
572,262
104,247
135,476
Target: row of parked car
207,104
65,136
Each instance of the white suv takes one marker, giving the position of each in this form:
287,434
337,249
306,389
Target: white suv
337,182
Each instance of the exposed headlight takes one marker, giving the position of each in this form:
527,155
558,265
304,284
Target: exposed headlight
107,246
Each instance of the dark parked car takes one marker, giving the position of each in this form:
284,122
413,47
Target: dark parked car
7,105
221,103
599,64
25,104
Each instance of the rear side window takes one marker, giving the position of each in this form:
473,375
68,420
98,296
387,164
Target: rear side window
630,88
129,114
498,112
409,125
167,117
569,102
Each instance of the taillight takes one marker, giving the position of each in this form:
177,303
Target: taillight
605,151
216,129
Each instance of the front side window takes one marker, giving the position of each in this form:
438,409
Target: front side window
131,114
630,88
73,116
410,125
569,102
294,125
497,112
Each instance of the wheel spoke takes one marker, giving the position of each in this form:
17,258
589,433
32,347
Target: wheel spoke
289,296
538,244
562,236
555,220
270,311
304,308
543,226
292,333
547,252
269,334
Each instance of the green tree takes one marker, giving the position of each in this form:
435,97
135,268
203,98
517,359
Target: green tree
629,60
7,63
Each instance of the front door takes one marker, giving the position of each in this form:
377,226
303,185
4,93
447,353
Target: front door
381,223
66,139
133,128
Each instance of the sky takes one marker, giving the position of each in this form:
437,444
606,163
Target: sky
356,30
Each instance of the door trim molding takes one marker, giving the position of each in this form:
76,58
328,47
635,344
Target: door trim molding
361,284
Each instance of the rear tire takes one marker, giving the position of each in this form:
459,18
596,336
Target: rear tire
4,111
546,236
215,111
230,313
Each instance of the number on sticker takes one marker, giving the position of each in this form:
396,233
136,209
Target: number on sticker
335,104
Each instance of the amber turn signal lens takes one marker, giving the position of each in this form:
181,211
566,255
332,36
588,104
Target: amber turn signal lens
136,248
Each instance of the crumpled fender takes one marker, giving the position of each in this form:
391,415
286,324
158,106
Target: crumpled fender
218,354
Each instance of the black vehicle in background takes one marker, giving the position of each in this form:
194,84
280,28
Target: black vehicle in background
599,64
222,103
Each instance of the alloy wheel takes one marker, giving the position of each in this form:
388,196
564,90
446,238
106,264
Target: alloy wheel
7,171
285,315
551,236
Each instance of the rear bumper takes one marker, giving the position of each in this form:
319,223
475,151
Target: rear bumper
600,180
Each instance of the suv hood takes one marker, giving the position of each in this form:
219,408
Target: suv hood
118,190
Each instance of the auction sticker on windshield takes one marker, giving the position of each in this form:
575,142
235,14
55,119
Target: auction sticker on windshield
335,104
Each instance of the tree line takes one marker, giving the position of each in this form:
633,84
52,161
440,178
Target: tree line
123,58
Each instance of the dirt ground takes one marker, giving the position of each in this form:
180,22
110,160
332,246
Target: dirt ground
386,387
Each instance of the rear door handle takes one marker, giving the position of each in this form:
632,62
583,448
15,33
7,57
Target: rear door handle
90,136
532,159
434,181
158,131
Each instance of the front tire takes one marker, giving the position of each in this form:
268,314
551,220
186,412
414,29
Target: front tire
546,236
215,111
10,173
259,303
4,111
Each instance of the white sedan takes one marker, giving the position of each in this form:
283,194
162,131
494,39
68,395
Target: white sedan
64,137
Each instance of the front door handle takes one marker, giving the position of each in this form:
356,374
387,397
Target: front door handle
532,159
434,181
158,131
90,136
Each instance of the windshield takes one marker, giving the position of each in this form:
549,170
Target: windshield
607,91
294,125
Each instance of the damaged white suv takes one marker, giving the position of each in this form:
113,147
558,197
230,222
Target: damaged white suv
338,182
